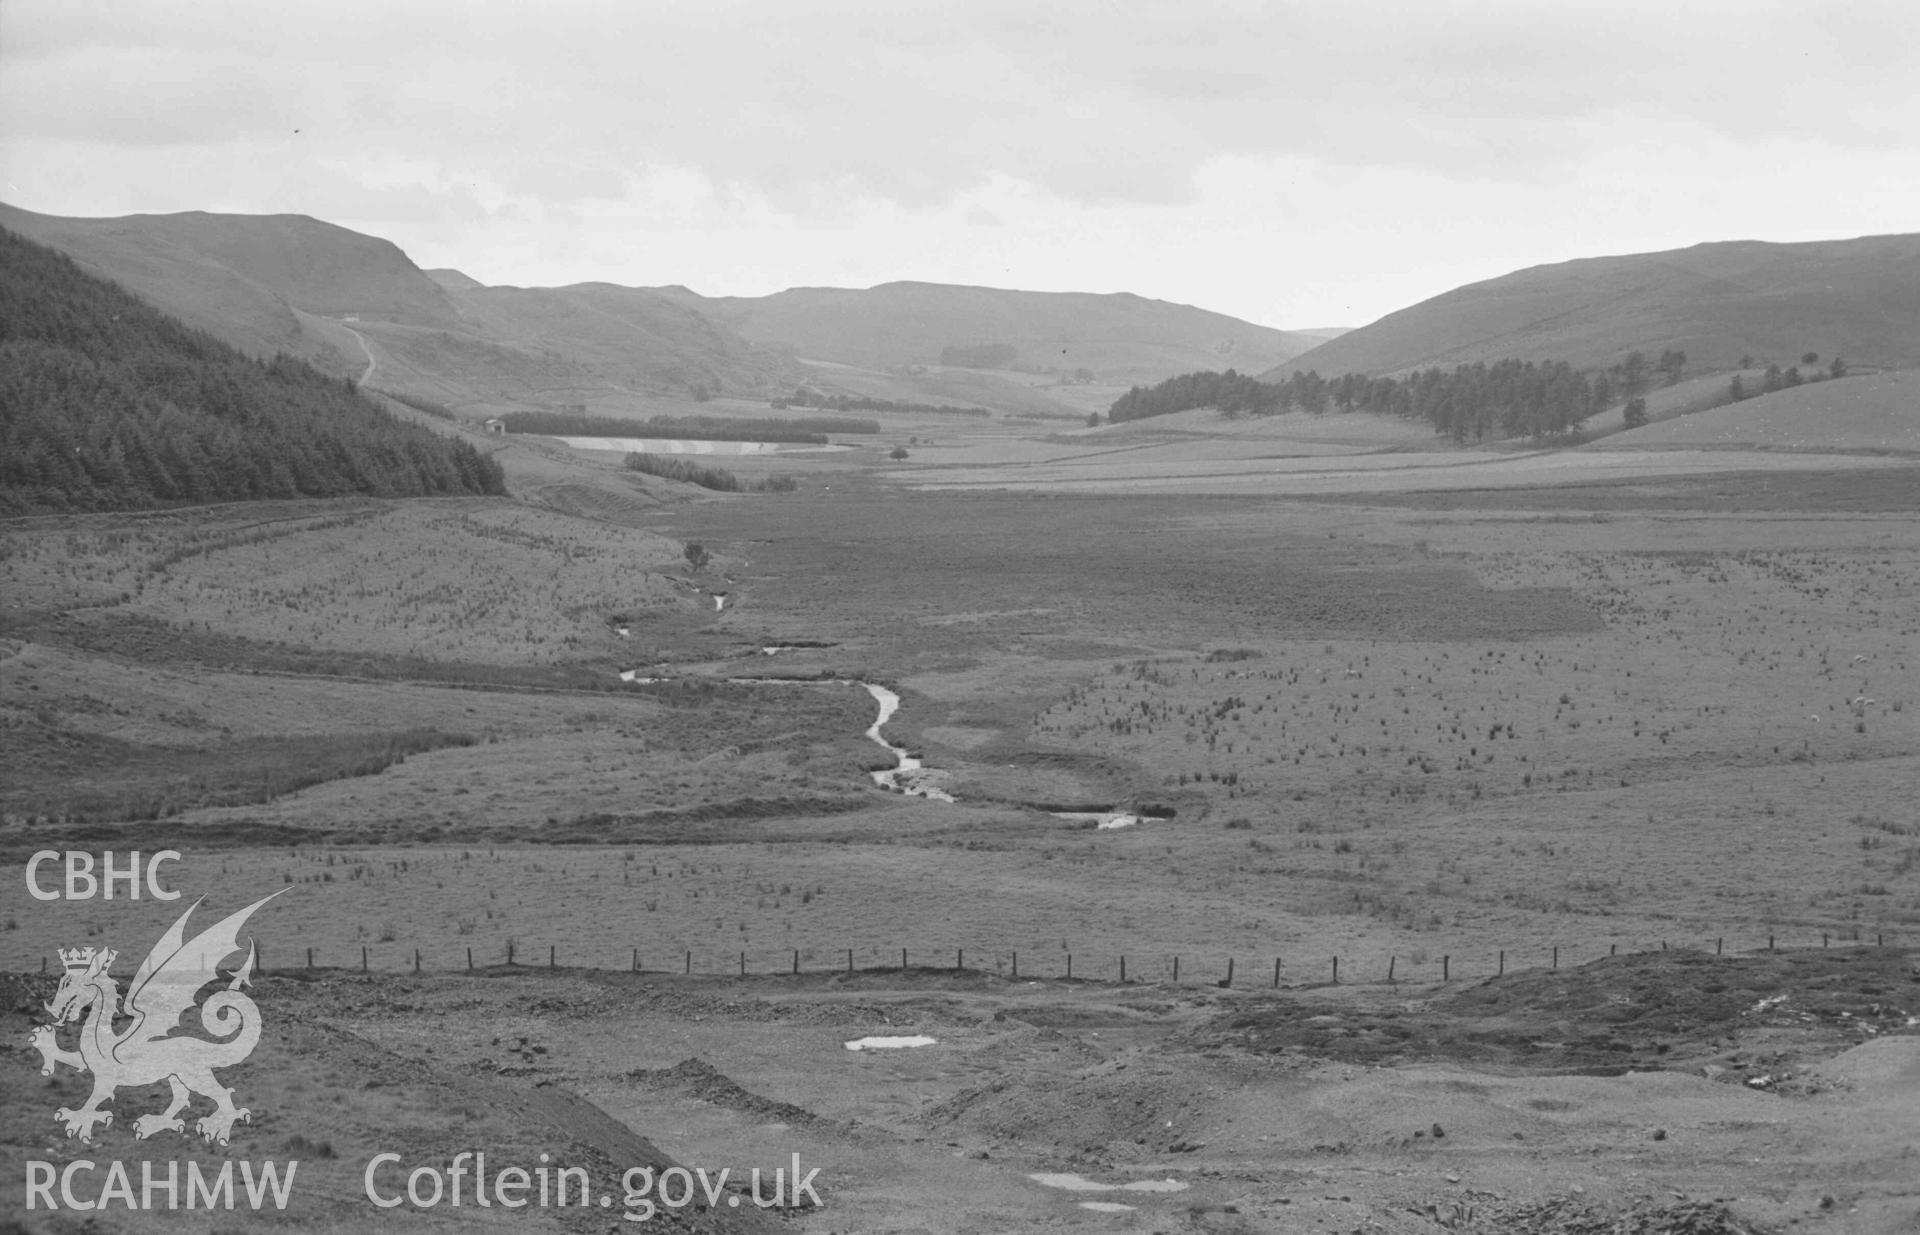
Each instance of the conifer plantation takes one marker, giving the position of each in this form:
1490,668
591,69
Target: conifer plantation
1469,403
108,404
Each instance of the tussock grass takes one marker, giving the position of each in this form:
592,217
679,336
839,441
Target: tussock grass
64,776
463,582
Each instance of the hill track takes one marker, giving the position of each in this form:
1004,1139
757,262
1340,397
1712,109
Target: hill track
372,364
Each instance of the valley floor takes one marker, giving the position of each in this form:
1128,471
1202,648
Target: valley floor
1558,758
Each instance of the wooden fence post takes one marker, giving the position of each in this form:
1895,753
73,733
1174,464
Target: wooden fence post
509,949
1276,973
849,960
743,964
903,960
1336,971
1446,963
469,958
1503,962
1556,956
1390,963
363,958
552,949
796,960
1176,971
416,960
1016,964
959,958
1123,969
1229,981
689,960
309,958
1069,964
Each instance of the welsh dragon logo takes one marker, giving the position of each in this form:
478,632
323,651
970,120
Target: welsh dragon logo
146,1050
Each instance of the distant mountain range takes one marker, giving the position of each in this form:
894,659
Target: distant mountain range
1719,303
1120,337
357,305
289,283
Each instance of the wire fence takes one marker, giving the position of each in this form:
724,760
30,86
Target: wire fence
1417,966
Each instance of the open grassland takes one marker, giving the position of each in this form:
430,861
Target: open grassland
1812,662
491,582
1434,738
1847,423
232,656
1877,412
91,738
1799,854
1381,734
1007,394
1684,398
1231,471
1351,429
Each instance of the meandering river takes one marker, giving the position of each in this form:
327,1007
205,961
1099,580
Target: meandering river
908,775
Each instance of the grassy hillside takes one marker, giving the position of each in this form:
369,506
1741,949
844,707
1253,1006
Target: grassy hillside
306,263
249,279
628,335
1006,392
1717,302
1875,412
107,404
165,271
1119,337
454,280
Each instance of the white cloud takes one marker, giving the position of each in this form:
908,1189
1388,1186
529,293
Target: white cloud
1305,163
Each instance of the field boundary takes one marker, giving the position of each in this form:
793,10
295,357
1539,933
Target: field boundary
1151,969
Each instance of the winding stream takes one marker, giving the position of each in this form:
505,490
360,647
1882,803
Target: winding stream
908,775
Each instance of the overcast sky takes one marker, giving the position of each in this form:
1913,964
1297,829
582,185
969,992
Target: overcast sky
1298,165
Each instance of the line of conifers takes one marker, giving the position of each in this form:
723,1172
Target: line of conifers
108,404
1509,398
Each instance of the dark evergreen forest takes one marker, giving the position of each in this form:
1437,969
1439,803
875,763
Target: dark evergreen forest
1510,398
108,404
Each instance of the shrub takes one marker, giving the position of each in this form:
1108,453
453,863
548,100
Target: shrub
670,467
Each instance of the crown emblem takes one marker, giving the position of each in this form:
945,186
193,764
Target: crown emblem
84,958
